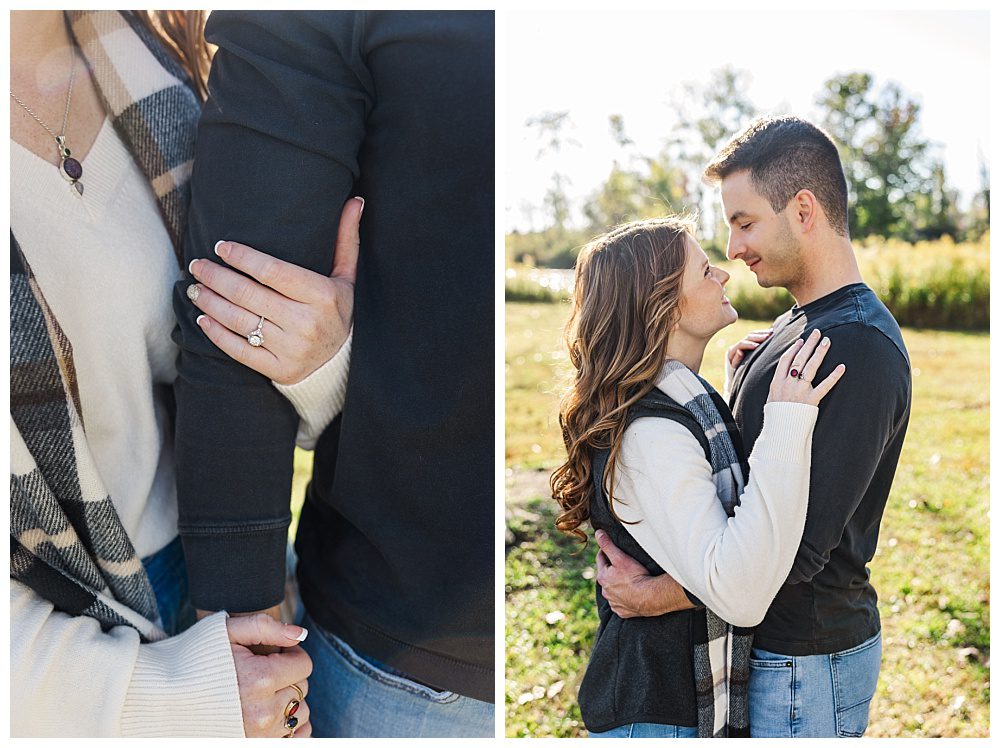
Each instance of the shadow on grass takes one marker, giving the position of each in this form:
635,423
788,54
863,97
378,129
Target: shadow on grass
542,555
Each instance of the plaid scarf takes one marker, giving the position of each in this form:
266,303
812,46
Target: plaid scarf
721,651
67,540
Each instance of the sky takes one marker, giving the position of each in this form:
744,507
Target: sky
634,63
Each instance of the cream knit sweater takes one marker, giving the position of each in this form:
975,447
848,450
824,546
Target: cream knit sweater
735,565
105,266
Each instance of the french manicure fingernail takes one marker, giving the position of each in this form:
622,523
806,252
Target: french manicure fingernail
193,291
222,251
299,637
202,321
362,201
191,266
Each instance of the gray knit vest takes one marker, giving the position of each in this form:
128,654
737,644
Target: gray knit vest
641,669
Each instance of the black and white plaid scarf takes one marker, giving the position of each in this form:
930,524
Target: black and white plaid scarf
721,651
67,541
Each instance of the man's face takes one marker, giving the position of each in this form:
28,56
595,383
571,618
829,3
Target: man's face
760,237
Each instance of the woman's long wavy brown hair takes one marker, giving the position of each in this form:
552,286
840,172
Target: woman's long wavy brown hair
182,33
626,300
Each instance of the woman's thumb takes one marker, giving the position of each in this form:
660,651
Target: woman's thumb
260,628
345,254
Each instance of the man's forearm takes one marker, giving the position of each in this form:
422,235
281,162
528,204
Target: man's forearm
661,594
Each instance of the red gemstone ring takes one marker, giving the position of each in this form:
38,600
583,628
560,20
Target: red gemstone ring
291,721
794,373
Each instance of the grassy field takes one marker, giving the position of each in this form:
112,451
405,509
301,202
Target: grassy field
931,568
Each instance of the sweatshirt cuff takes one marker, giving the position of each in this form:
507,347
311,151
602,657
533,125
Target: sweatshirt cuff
787,433
239,569
185,685
319,398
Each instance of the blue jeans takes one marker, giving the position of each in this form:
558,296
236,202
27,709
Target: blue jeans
648,730
352,696
818,696
168,576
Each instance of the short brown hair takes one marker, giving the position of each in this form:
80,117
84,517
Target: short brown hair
784,155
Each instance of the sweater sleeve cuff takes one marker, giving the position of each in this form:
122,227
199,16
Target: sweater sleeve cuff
787,433
319,398
185,685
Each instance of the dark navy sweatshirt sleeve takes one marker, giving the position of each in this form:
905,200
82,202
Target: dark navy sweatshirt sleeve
276,158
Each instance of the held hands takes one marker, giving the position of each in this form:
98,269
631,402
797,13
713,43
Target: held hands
265,681
307,316
793,378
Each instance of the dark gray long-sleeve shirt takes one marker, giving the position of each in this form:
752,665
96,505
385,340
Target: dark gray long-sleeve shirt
396,538
828,604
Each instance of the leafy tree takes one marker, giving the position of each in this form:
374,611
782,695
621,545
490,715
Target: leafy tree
978,218
645,187
709,115
886,160
549,128
936,211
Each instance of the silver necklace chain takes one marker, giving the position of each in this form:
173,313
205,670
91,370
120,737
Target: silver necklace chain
69,98
69,168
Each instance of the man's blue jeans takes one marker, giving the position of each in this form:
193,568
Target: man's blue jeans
818,696
353,696
648,730
168,576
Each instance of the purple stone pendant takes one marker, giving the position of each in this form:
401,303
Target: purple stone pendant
70,168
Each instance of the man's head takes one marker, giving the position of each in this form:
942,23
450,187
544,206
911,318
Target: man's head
782,186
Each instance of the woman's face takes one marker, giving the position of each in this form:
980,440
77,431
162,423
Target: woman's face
704,307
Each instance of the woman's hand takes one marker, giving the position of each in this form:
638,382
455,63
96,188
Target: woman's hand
307,316
793,378
265,681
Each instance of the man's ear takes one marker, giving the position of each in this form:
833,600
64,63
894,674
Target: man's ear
805,210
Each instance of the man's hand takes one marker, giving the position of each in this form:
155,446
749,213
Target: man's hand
736,353
630,590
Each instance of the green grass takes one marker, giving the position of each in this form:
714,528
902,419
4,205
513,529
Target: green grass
931,568
300,479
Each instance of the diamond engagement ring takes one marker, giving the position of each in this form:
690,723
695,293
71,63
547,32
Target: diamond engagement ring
256,337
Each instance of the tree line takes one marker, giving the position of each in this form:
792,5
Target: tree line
896,177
